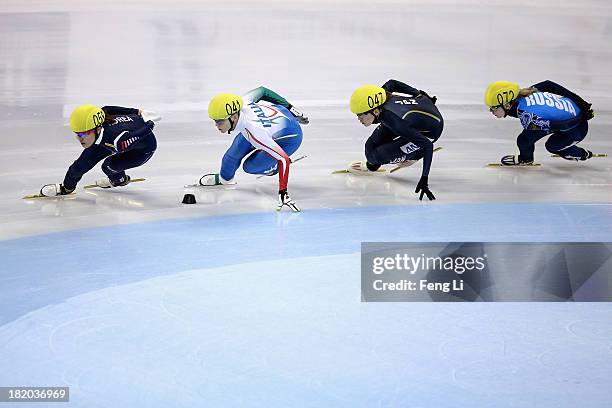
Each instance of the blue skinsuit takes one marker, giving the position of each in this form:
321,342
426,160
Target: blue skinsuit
553,111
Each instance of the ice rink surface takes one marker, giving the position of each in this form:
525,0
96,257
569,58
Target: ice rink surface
131,298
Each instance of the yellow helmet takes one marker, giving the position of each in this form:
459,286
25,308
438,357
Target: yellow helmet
224,105
501,93
366,98
86,117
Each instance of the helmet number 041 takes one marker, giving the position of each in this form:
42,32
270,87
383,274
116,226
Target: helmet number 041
233,108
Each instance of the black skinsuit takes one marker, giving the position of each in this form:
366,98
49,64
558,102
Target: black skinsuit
128,140
408,126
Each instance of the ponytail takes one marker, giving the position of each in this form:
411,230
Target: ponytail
108,119
527,91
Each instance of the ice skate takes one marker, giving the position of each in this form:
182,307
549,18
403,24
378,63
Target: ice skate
511,160
358,168
106,183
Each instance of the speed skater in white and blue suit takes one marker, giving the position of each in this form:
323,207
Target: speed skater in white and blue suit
268,132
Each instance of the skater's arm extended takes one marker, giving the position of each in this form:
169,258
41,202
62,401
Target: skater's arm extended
552,87
86,161
119,110
400,128
126,140
265,94
394,85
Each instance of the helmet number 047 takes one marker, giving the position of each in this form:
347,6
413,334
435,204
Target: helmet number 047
374,101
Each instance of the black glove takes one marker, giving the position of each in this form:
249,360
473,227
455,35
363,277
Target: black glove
587,112
433,99
424,189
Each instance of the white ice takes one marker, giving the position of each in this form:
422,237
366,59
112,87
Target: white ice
134,299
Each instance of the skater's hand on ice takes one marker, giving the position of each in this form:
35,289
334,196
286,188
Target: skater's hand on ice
423,188
285,200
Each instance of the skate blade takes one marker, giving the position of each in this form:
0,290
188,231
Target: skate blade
522,165
216,186
393,170
33,196
298,158
131,181
292,161
345,171
594,155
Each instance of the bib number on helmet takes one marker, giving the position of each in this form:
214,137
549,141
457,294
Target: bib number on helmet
232,108
375,101
98,118
505,97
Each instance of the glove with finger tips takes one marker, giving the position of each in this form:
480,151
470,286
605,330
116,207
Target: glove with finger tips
423,188
285,200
